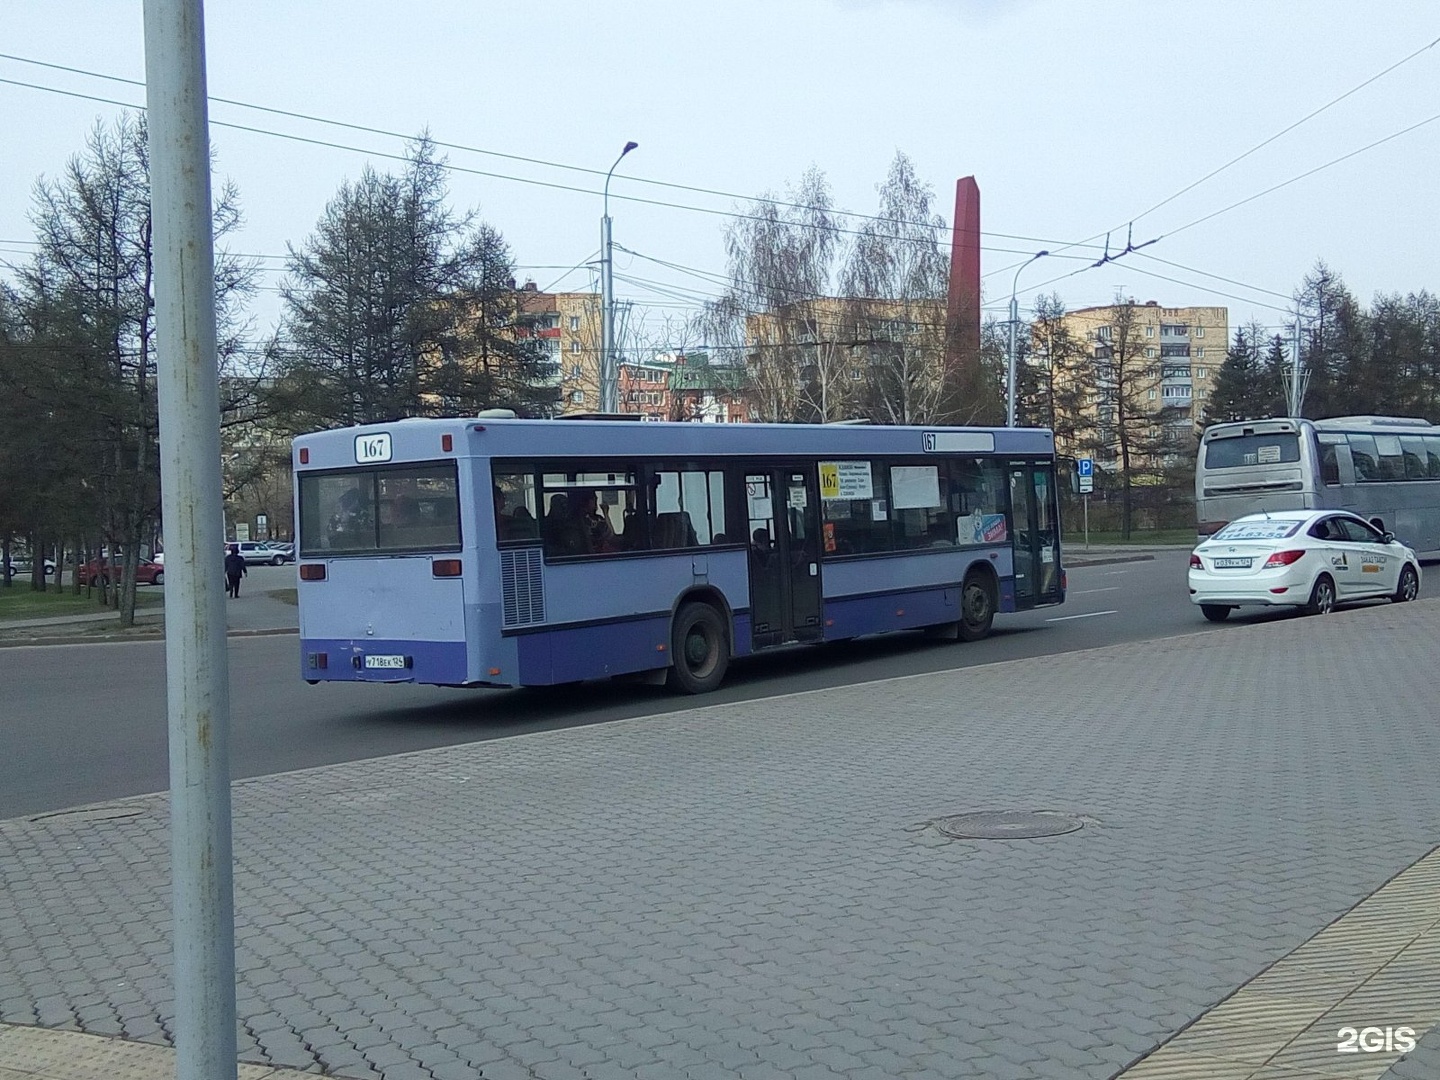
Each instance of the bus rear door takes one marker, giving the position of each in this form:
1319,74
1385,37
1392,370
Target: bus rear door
783,530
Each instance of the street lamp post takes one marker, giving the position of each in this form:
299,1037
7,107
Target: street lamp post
609,377
1015,318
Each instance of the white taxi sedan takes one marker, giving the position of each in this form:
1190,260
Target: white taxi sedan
1311,559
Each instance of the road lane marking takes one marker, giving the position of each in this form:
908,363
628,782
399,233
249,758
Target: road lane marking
1087,615
1082,592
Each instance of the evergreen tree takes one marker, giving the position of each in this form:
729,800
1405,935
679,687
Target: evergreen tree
1245,386
398,307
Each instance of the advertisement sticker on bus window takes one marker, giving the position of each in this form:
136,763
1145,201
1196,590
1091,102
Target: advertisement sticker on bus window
979,528
1267,455
879,510
372,448
829,537
760,508
845,480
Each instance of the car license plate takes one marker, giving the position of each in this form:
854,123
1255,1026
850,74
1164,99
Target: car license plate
1232,564
384,662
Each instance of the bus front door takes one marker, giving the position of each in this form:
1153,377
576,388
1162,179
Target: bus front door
784,529
1035,520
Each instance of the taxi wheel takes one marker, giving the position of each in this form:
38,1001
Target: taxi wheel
1322,597
1409,587
1216,612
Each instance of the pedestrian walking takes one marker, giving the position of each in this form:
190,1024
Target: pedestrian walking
235,568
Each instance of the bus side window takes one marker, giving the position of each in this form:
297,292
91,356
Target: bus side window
1363,453
515,517
1413,449
1432,454
1330,459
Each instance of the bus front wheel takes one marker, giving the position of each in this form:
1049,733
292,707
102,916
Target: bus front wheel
699,650
977,608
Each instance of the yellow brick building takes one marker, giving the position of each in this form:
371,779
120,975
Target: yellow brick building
1172,360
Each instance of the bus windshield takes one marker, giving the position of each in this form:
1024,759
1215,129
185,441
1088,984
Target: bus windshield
388,510
1244,450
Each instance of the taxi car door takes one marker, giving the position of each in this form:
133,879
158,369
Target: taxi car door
1379,569
1334,547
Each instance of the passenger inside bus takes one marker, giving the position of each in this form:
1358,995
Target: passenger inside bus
600,534
522,525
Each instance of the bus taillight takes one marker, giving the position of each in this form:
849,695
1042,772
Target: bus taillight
446,568
312,571
447,443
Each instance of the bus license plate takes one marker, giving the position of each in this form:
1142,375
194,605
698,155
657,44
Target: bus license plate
384,662
1232,564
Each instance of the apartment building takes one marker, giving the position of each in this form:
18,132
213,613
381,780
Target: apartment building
1171,356
645,389
569,324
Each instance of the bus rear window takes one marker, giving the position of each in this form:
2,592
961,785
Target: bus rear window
392,510
1243,450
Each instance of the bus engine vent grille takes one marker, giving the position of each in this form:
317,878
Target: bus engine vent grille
522,587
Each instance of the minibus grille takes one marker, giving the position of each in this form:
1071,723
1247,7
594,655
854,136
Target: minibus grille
522,587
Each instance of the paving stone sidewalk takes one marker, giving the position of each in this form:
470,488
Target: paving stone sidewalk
758,889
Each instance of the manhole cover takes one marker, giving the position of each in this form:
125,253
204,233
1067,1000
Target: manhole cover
93,813
1007,825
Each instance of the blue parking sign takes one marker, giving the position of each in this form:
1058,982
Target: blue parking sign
1085,466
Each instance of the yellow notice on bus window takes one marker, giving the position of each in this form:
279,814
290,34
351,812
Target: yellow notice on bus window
846,480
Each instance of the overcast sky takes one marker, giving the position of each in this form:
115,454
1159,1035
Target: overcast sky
1075,117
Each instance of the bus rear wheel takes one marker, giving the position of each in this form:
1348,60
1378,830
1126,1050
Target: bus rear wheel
699,650
977,608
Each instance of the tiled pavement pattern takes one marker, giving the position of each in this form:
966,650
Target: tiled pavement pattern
1343,1003
752,890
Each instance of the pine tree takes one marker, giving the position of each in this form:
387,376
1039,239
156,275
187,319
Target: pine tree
1245,386
398,307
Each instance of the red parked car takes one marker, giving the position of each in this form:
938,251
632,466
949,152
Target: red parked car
102,570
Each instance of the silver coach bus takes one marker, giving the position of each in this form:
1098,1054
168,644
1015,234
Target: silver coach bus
1383,468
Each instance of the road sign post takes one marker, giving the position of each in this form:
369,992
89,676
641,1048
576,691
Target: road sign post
1085,470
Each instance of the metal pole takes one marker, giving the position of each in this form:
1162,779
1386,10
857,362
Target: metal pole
1086,499
1015,318
609,377
1295,375
197,669
609,388
1010,365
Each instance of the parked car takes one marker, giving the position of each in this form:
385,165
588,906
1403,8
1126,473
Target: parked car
1310,559
284,550
103,570
257,553
24,567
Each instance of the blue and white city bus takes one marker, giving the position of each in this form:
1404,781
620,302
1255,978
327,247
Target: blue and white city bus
505,552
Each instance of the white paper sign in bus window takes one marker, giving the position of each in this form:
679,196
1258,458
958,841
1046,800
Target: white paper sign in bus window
1267,455
372,448
846,480
915,486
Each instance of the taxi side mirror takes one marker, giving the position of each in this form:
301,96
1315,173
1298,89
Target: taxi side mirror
1388,538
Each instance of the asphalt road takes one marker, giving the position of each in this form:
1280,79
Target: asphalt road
86,723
